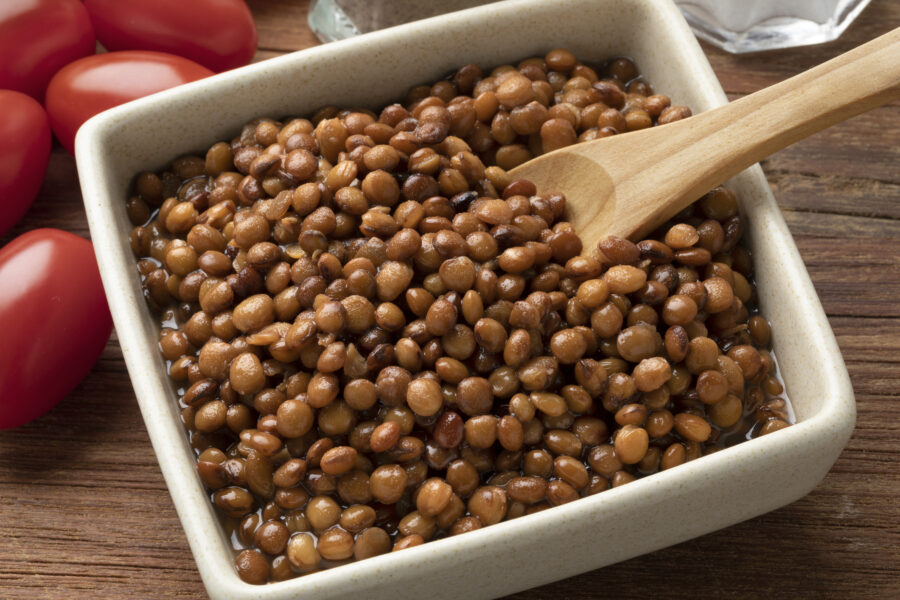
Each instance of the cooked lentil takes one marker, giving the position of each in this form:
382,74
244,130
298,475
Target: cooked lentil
379,338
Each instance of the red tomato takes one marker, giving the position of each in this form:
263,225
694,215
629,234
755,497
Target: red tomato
54,320
23,157
95,83
218,34
38,38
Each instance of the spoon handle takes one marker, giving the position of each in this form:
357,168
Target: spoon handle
703,151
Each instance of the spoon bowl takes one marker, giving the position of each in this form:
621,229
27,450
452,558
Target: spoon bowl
628,185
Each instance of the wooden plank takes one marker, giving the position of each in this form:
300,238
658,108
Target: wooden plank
855,196
854,277
867,146
865,340
825,224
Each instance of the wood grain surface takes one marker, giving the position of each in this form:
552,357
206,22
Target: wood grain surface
84,512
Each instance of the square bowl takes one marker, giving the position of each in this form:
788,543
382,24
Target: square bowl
372,70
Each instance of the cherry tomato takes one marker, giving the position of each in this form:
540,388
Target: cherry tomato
93,84
218,34
54,321
23,155
38,38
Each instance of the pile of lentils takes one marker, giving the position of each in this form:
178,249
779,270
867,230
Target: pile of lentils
380,338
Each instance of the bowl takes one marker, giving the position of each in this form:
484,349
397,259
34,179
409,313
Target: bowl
669,507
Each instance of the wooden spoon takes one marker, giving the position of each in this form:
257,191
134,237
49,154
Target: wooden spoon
628,185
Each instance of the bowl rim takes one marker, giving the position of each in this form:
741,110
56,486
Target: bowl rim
218,574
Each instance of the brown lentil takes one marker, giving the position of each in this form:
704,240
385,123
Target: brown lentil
382,338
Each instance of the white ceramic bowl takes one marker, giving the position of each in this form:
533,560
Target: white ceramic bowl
651,513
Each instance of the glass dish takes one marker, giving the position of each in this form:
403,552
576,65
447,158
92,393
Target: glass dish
740,26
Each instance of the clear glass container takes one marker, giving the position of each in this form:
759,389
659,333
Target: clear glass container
740,26
339,19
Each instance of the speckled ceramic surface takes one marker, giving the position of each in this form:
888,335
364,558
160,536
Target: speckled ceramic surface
651,513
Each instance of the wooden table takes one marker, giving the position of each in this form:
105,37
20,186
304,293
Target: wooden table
84,512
